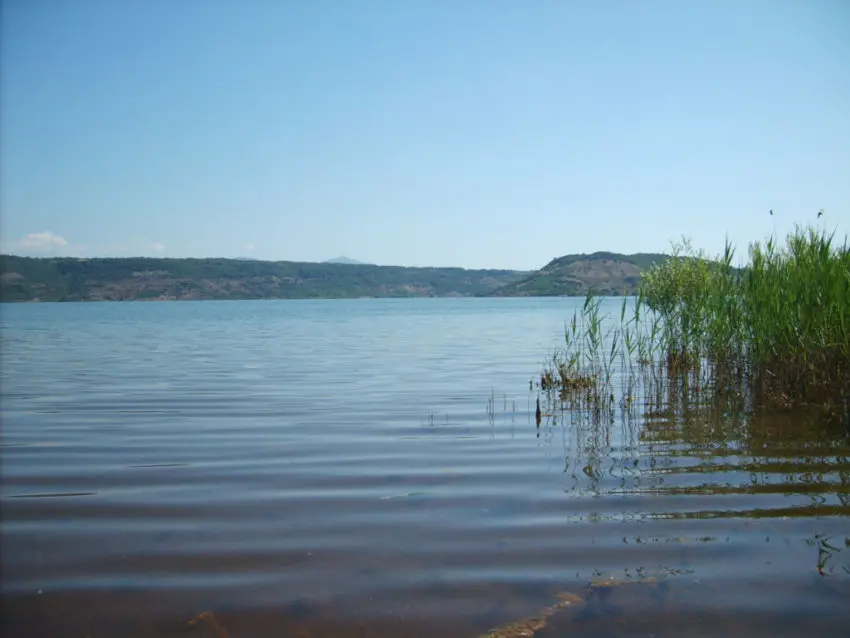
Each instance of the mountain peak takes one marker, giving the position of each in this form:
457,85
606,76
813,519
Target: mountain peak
344,260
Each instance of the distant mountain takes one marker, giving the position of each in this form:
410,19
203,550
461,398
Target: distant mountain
69,279
345,260
573,275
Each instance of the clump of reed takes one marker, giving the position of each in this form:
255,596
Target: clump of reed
773,333
596,368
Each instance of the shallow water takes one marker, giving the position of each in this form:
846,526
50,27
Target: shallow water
373,467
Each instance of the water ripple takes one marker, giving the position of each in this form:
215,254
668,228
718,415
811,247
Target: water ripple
378,458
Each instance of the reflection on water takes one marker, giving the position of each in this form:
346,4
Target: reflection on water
793,454
381,468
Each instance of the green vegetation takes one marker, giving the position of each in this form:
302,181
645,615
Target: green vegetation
602,273
775,333
67,279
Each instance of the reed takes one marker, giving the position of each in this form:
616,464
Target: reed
775,332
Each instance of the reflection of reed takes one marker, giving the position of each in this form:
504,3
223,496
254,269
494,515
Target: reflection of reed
827,549
491,409
622,446
600,454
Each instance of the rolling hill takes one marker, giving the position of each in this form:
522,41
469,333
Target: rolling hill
70,279
573,275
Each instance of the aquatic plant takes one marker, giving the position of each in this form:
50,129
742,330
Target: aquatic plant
775,332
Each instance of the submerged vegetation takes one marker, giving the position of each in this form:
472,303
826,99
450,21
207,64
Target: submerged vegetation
775,333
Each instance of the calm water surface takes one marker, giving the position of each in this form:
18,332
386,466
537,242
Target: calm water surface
374,468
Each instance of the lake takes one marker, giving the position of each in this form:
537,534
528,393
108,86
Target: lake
374,468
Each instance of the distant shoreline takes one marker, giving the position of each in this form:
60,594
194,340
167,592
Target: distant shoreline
187,300
67,279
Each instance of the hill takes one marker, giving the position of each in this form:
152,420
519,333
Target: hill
70,279
573,275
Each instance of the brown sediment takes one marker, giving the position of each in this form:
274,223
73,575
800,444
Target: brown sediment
210,627
207,622
527,627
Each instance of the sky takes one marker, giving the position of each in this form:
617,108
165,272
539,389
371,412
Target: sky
473,133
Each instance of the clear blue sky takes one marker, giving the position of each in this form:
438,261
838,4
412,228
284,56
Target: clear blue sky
477,133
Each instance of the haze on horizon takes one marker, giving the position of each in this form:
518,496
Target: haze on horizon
473,133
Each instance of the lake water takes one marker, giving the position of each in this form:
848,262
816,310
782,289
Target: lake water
374,468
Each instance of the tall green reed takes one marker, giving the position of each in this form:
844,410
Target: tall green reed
773,332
